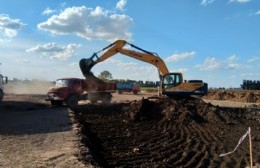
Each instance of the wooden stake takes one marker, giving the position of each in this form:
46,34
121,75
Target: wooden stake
250,148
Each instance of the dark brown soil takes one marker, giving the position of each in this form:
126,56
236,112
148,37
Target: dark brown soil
166,133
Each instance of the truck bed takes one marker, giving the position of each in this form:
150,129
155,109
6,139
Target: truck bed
92,83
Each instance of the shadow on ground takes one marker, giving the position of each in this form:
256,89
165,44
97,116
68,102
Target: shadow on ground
23,118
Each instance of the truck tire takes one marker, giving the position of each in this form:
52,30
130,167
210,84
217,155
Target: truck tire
135,92
106,99
120,91
56,102
1,96
93,97
72,101
93,101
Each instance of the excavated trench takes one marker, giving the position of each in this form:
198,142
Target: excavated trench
166,133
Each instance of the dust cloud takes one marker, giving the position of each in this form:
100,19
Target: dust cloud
28,87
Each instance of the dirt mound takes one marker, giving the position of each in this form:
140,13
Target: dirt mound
166,133
144,110
240,96
183,111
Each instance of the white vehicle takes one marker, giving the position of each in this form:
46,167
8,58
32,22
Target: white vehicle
3,80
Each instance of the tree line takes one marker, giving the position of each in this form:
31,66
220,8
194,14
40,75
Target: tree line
106,75
250,85
140,82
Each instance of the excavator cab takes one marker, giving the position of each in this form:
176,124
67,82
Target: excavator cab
173,85
172,80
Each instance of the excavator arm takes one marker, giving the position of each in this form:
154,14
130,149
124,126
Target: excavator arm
118,47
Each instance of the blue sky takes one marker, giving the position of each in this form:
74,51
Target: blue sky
217,41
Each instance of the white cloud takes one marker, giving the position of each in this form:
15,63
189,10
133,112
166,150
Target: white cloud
254,59
121,4
232,66
9,27
89,23
232,59
25,61
182,70
230,63
206,2
54,51
239,1
247,75
74,64
210,63
123,65
257,12
138,70
177,57
48,11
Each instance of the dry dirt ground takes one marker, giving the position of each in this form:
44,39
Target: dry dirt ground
127,133
33,134
235,95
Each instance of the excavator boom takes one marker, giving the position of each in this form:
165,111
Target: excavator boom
118,47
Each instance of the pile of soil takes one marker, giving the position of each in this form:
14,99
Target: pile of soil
184,111
166,133
240,96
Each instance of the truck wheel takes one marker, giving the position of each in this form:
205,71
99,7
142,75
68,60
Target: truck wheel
107,99
72,101
135,92
1,96
93,101
93,97
120,91
56,102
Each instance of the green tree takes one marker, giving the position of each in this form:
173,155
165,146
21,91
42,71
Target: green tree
105,75
250,85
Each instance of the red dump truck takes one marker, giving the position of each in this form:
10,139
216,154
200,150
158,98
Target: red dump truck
71,90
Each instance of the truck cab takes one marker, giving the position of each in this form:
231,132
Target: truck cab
68,90
3,80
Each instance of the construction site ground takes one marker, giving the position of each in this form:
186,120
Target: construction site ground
132,131
34,134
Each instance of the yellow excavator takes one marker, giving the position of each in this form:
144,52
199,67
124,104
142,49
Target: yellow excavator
172,83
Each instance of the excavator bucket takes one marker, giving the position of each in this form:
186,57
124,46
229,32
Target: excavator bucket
86,65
